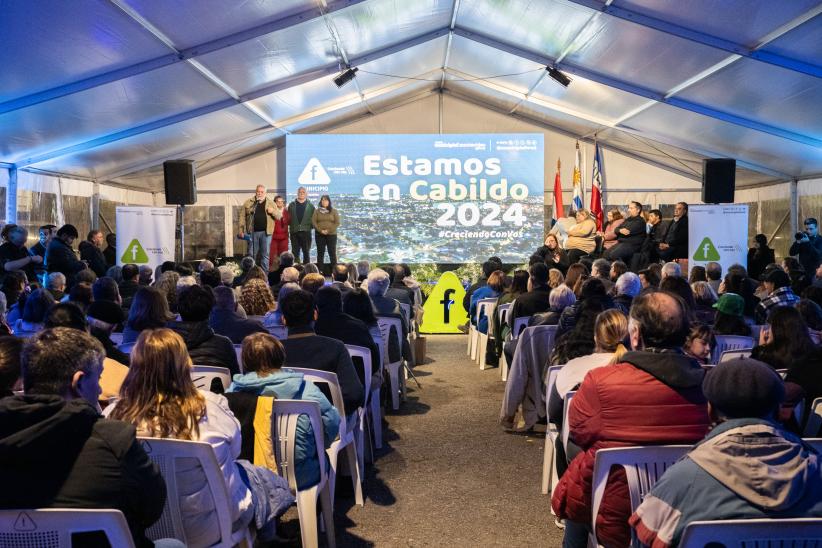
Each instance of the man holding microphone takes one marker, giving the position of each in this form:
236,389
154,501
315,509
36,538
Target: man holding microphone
257,219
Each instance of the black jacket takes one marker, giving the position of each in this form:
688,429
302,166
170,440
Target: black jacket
758,259
677,238
809,253
205,346
349,330
62,454
91,253
61,258
110,254
128,288
548,258
400,294
231,324
305,349
530,303
636,236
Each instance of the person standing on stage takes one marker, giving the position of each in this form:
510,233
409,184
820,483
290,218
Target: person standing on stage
301,211
279,240
258,218
326,219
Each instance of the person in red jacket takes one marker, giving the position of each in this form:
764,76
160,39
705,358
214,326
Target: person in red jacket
653,397
279,239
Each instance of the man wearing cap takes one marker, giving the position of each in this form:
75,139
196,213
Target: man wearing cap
747,467
778,285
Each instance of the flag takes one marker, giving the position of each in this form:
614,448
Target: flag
578,197
596,187
558,209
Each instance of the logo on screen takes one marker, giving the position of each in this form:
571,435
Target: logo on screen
706,251
314,174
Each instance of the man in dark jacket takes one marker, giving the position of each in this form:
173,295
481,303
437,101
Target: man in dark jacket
130,284
60,257
204,346
226,321
56,451
339,279
304,348
91,253
14,257
332,322
110,252
488,267
674,244
44,236
808,249
300,212
630,236
378,282
535,300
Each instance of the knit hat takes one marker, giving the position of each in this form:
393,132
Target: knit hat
731,304
106,311
744,388
778,278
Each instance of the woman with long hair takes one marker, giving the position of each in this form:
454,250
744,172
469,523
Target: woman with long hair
149,310
555,278
167,285
159,398
326,220
552,254
575,272
784,340
256,298
519,285
609,234
704,298
698,274
729,318
491,290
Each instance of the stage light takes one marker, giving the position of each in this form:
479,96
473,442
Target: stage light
345,76
558,76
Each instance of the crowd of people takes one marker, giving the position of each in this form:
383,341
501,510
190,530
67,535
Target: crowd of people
635,336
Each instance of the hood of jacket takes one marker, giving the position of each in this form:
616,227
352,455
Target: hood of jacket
32,426
193,333
669,367
286,383
766,466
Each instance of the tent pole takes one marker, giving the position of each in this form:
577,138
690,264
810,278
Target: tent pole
11,196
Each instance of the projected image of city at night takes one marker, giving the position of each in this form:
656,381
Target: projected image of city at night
426,198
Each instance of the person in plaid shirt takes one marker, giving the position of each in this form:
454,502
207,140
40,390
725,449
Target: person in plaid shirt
778,285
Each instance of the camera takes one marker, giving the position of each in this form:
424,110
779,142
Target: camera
798,236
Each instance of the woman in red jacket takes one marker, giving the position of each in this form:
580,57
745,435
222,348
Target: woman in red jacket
652,397
279,239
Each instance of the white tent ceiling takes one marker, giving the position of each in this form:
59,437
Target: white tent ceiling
108,89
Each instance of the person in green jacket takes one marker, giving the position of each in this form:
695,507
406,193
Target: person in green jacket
301,212
326,219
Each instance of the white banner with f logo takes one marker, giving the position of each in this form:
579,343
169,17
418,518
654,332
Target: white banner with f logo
145,235
718,233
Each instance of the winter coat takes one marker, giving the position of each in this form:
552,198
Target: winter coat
349,330
290,385
636,235
297,225
609,236
484,292
744,469
322,219
206,347
229,323
62,454
91,253
281,225
581,236
60,257
247,215
652,397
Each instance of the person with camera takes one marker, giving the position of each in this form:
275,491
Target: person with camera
807,246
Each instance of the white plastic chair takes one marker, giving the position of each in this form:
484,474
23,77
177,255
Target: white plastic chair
347,439
731,342
202,375
814,422
745,533
278,331
816,443
167,453
238,351
126,348
53,527
519,325
116,338
485,307
371,414
409,317
397,382
565,431
551,433
734,354
284,416
643,465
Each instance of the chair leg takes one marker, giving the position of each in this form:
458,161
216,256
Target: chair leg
547,460
403,385
307,511
360,433
353,458
503,368
333,461
376,418
394,374
327,507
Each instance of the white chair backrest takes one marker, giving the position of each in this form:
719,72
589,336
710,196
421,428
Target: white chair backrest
814,419
519,324
406,310
386,326
754,533
203,374
284,415
126,348
53,527
734,354
485,307
643,465
330,380
816,443
116,338
278,331
566,429
502,312
167,453
731,342
378,340
550,381
365,355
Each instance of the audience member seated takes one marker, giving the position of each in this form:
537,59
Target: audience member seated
204,346
149,310
103,317
56,285
653,396
713,271
609,236
56,451
211,278
785,339
246,264
115,273
250,397
10,375
334,323
275,317
704,299
226,321
560,298
285,260
14,257
491,290
747,467
626,288
130,284
304,348
14,288
145,275
680,286
575,272
648,278
738,284
105,289
226,275
698,274
536,299
630,236
378,282
339,279
601,269
799,280
159,398
555,278
519,285
312,282
398,290
811,313
256,298
671,269
553,255
81,295
34,312
592,296
358,305
778,286
60,256
729,319
487,268
581,236
363,268
289,275
699,343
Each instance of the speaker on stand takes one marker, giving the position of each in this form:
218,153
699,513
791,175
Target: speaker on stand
718,180
181,190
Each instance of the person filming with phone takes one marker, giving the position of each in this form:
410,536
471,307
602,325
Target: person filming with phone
807,246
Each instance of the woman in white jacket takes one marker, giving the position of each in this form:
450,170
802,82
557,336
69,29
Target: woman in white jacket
160,399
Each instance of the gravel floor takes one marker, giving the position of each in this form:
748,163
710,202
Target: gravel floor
448,475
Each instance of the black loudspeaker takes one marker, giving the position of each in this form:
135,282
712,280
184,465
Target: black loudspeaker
181,184
718,180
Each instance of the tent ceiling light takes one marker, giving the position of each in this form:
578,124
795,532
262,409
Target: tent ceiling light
345,76
558,77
